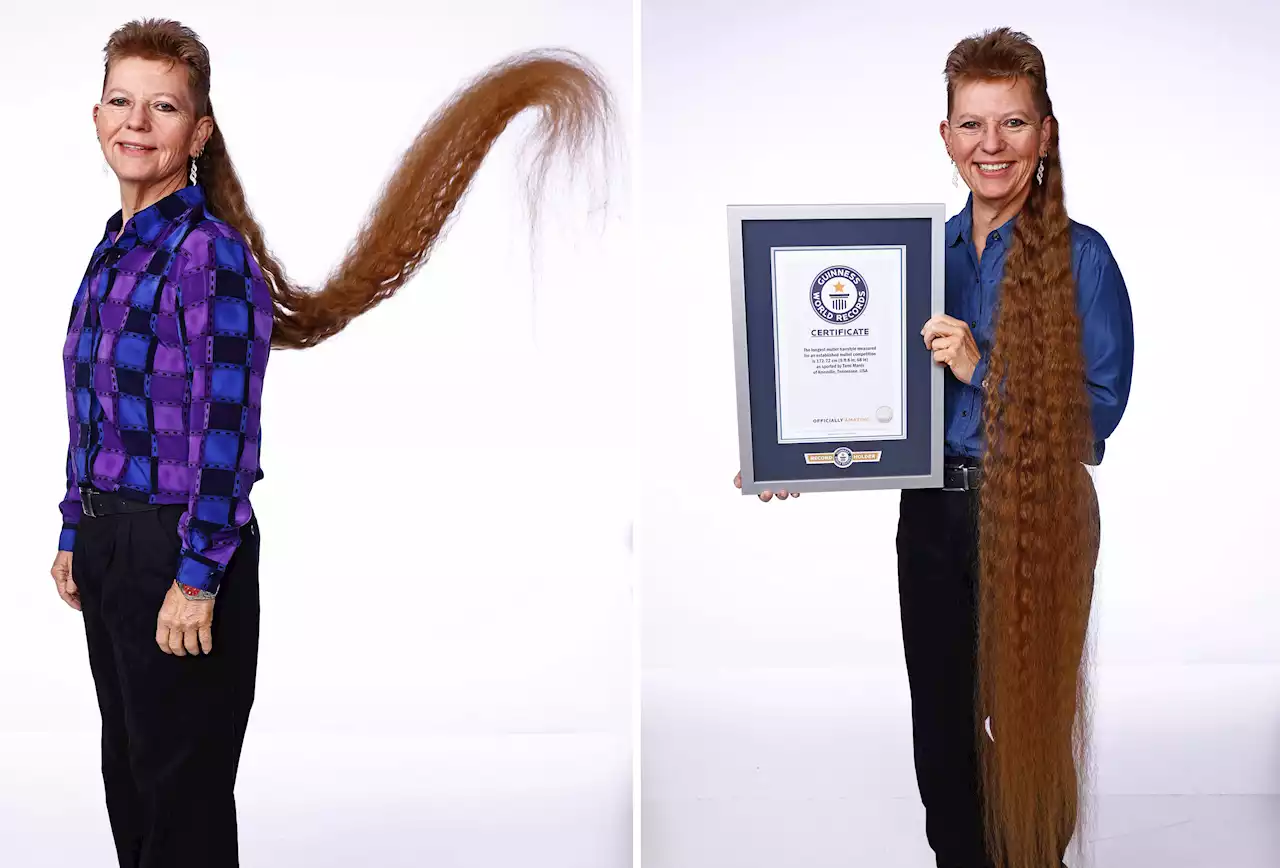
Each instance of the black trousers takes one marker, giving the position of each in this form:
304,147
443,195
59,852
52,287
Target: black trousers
937,590
172,727
937,587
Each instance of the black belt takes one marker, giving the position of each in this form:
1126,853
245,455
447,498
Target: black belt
95,503
961,477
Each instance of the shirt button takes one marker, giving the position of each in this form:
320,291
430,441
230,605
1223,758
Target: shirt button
964,412
973,325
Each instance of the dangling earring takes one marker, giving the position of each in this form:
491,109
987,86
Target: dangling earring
1040,172
955,175
192,176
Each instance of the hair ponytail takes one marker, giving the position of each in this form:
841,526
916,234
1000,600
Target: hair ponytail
424,191
1037,528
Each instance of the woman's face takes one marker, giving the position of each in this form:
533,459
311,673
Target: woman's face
995,137
147,125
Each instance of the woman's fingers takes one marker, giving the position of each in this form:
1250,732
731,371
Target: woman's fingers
781,494
765,496
181,642
64,580
942,326
176,645
61,584
71,592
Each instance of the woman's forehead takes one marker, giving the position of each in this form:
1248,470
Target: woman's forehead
993,96
149,75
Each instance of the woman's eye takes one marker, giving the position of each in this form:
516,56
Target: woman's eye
164,106
118,101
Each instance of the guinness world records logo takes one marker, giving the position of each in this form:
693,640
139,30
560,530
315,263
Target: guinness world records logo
838,294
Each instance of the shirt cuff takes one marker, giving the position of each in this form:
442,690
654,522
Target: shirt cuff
197,573
979,373
67,539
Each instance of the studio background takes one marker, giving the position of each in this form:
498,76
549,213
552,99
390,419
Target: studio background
445,660
776,711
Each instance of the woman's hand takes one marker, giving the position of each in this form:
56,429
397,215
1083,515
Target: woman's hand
184,626
766,496
61,572
952,344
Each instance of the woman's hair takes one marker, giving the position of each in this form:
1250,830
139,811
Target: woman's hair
1037,531
423,192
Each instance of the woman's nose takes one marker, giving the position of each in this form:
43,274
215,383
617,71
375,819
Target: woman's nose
138,118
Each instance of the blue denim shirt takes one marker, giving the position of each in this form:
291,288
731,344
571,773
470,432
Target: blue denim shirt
972,291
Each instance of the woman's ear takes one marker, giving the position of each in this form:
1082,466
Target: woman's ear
204,131
1046,134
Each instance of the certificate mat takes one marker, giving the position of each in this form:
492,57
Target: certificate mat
840,374
836,390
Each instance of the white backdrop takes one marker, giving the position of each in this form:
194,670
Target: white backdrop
446,595
777,724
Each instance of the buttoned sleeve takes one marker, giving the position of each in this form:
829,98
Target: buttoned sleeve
979,373
70,509
225,318
1107,324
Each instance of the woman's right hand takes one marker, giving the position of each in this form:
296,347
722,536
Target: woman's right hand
766,496
61,573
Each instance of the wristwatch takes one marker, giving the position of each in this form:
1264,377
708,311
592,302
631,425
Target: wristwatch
194,593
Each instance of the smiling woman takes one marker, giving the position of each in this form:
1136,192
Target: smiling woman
148,128
1039,345
995,569
165,356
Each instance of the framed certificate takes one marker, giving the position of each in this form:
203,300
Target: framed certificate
836,389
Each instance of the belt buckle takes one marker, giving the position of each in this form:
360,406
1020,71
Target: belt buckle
86,502
965,485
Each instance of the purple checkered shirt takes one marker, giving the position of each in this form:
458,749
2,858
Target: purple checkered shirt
164,360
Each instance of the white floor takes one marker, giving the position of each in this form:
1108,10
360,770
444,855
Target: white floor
1134,832
813,769
534,801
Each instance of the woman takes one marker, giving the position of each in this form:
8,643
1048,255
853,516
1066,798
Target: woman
165,356
1039,350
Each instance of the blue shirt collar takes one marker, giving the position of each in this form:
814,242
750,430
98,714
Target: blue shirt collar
152,220
963,228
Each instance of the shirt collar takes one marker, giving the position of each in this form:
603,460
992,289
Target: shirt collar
963,229
152,220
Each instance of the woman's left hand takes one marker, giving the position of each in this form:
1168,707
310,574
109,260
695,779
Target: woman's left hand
184,626
952,344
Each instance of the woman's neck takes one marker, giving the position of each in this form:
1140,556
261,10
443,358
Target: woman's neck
137,195
990,214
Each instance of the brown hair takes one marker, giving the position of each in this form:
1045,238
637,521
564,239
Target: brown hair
423,192
1037,532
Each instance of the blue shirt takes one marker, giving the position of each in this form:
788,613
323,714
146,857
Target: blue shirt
972,291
